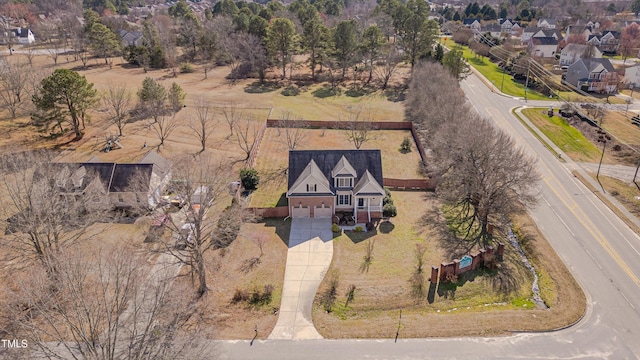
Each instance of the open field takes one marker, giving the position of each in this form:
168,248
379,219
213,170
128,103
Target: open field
621,127
483,302
273,158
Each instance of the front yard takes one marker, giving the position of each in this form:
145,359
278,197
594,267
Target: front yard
482,302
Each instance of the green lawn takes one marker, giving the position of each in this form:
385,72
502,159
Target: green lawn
495,74
565,136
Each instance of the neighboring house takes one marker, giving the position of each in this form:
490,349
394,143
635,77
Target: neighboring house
544,47
22,36
474,24
510,27
131,38
547,23
323,182
556,34
593,40
597,75
632,76
527,33
494,30
578,30
610,41
574,52
126,185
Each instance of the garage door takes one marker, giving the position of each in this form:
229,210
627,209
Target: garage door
322,212
300,212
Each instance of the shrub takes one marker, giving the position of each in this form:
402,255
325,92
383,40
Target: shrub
370,226
335,228
389,210
290,91
405,146
249,179
186,68
240,296
228,226
358,229
259,298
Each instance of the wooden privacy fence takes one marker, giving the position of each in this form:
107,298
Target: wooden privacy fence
273,212
344,125
409,184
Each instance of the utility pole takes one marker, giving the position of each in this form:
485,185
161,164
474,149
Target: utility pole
603,138
526,83
502,85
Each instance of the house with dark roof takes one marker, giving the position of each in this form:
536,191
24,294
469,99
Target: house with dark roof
131,38
125,185
492,29
527,33
322,183
597,75
474,24
544,47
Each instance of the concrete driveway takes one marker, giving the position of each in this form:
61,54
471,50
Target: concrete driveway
308,258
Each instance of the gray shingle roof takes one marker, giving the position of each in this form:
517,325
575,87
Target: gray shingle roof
361,160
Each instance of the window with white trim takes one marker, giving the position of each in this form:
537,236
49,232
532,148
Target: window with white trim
344,182
360,202
344,199
312,188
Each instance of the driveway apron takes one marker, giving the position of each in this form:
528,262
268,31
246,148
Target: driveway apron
308,258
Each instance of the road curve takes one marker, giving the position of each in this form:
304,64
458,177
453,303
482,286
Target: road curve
600,250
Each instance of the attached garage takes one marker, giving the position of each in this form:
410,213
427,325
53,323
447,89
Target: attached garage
300,212
322,211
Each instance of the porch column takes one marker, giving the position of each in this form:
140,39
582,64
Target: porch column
369,209
355,207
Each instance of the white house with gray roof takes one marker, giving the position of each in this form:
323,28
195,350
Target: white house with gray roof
323,183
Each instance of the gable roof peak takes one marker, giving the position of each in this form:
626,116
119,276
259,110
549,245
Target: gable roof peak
343,167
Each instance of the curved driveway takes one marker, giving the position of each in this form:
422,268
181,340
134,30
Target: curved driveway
601,251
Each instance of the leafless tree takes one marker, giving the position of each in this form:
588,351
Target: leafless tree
107,305
204,124
232,116
294,129
247,137
118,100
389,65
163,127
436,101
30,53
484,177
48,207
360,127
202,185
13,80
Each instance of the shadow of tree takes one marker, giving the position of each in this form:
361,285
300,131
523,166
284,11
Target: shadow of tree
395,94
257,88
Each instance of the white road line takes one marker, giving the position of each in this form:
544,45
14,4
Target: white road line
563,223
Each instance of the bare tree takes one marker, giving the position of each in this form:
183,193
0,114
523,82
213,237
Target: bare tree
118,101
247,137
484,177
13,80
48,207
204,123
107,305
202,184
360,128
385,71
232,115
30,53
295,130
163,127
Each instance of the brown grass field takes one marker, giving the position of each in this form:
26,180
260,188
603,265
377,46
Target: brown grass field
382,290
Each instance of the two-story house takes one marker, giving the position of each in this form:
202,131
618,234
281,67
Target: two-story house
574,52
597,75
322,183
544,47
546,23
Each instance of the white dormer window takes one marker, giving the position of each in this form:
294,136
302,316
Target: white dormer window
344,182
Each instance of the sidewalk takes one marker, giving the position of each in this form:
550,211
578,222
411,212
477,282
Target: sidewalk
308,258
